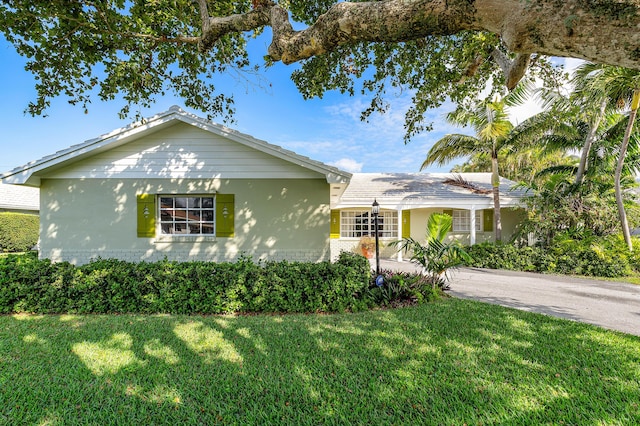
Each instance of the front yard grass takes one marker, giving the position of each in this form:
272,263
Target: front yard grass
452,362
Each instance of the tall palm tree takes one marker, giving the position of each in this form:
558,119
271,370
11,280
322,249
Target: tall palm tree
622,87
491,124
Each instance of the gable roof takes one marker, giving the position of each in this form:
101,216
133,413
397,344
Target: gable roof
413,190
29,173
13,197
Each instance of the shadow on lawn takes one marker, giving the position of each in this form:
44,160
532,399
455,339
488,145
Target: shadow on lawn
451,362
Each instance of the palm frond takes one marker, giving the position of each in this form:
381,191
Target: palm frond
451,147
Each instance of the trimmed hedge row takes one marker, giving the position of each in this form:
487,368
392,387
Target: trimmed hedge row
18,231
603,259
113,286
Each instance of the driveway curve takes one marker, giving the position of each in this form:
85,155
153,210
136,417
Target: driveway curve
607,304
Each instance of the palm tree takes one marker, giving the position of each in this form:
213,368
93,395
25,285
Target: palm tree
621,86
491,124
581,106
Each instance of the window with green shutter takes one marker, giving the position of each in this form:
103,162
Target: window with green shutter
186,215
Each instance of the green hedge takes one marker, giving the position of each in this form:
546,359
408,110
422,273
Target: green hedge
113,286
603,257
18,231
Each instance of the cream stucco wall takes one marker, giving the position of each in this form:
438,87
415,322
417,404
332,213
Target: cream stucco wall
274,219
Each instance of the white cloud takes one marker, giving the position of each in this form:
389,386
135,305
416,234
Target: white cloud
348,164
378,144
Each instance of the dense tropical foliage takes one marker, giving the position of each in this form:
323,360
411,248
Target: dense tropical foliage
578,158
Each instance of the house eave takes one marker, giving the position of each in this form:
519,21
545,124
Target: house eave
391,204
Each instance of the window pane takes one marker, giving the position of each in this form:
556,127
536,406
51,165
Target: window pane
195,217
180,215
461,220
355,224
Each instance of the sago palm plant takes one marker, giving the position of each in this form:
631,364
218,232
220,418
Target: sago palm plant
436,257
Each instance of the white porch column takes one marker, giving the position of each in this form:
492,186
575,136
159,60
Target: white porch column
399,232
472,229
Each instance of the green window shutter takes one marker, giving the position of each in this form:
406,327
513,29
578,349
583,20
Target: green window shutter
225,212
448,211
146,215
406,223
487,220
334,231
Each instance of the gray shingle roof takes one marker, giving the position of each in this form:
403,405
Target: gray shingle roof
424,189
13,197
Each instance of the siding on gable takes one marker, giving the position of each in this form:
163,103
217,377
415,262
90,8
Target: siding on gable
16,198
183,151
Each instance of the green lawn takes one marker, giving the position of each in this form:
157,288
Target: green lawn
453,362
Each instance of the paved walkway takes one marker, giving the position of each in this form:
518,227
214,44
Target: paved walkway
611,305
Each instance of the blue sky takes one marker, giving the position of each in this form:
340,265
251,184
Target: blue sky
327,130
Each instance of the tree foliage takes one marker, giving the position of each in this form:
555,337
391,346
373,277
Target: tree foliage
140,50
144,49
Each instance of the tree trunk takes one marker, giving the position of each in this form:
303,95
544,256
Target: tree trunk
495,183
603,32
582,166
622,214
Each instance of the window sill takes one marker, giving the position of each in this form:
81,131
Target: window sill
185,239
358,238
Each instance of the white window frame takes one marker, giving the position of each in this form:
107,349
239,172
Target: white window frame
359,223
462,221
196,209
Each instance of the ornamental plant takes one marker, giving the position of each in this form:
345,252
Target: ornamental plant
436,257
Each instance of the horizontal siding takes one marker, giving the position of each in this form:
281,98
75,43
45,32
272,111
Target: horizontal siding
15,197
184,151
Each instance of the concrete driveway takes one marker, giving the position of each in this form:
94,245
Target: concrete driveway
611,305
